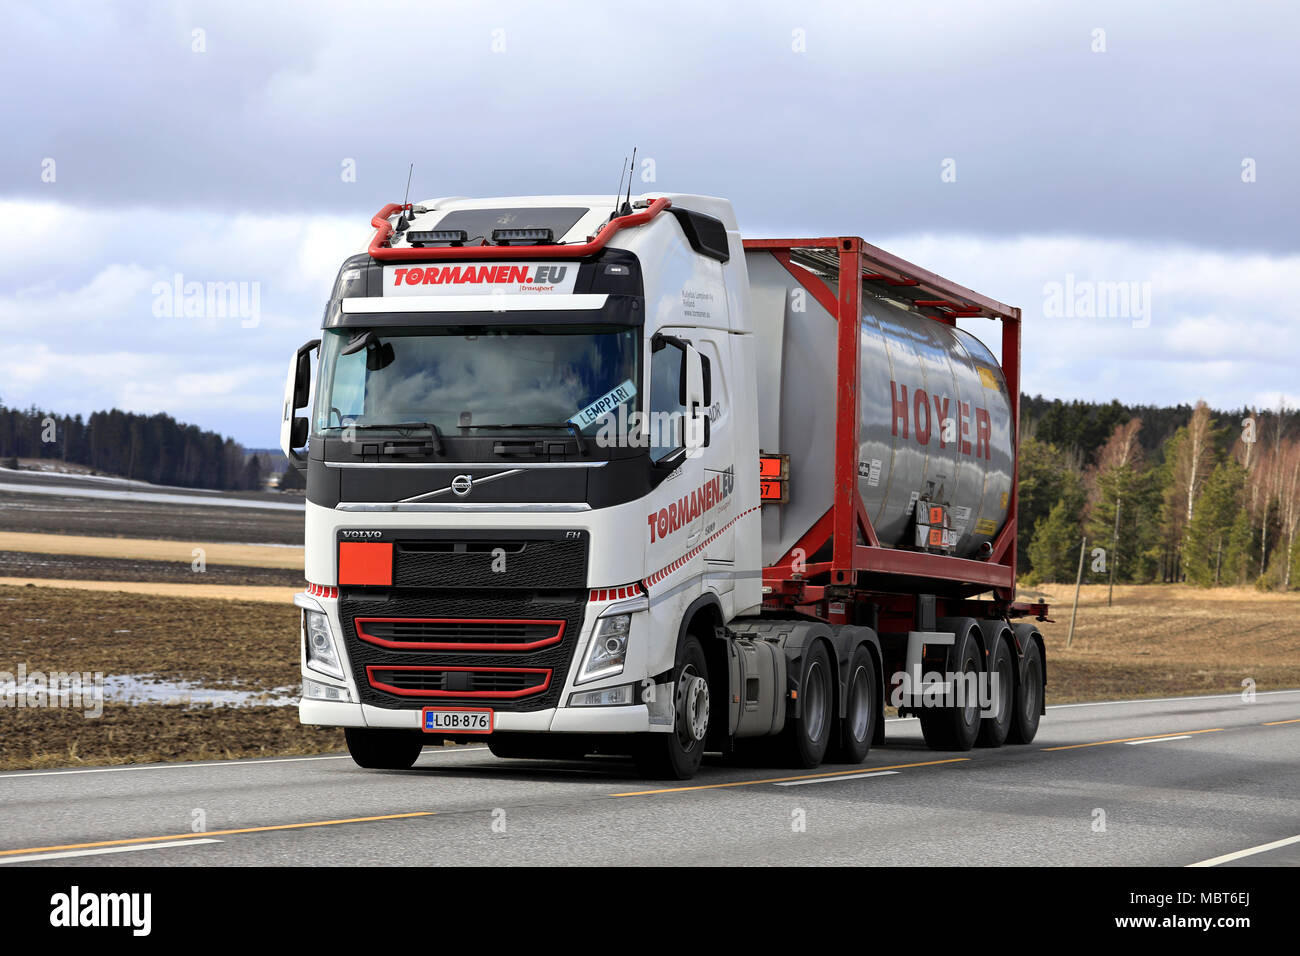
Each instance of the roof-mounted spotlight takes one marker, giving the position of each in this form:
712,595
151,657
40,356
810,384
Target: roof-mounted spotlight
523,237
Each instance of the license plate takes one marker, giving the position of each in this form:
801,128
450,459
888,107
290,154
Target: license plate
457,720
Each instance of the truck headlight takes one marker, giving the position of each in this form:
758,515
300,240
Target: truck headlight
316,690
608,650
322,655
619,696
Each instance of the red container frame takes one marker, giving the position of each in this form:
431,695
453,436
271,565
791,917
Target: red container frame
862,567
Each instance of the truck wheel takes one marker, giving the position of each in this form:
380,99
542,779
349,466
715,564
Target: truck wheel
1029,697
806,738
384,749
677,756
994,730
852,743
955,727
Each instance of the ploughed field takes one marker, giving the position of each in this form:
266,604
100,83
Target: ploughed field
164,648
71,514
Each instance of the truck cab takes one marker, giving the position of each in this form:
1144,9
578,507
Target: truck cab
531,456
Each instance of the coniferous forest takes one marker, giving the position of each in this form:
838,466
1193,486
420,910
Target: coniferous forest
1168,494
153,448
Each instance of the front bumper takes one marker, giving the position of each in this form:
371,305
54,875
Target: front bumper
631,719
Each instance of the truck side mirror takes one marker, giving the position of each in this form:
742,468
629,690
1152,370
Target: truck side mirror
297,393
302,379
697,412
298,434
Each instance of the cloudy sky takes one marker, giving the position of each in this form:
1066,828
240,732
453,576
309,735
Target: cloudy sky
1030,150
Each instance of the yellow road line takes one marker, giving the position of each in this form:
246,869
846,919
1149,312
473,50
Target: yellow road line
807,776
1274,723
208,833
1125,740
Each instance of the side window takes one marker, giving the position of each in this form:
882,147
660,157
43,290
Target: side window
349,389
667,413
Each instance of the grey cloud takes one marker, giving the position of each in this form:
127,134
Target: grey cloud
1144,140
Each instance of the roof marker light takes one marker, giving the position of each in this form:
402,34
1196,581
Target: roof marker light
523,237
454,236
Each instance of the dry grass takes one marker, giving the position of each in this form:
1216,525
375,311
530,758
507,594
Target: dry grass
1169,640
153,549
229,592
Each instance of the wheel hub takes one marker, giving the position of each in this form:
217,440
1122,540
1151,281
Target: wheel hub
693,707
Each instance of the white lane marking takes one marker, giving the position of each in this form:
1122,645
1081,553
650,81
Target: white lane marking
219,763
64,854
1250,851
1158,740
851,776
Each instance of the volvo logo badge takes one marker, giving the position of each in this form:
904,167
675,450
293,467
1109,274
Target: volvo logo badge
461,485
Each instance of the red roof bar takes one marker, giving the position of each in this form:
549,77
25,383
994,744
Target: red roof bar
384,229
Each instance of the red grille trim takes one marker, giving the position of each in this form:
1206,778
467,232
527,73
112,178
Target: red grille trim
361,622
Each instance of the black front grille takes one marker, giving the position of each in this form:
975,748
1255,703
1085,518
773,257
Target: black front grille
508,614
496,563
451,634
436,682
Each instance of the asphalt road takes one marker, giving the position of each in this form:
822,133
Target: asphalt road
1167,783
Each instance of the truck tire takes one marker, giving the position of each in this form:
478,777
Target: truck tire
955,727
852,741
677,755
804,741
1002,666
1029,696
377,749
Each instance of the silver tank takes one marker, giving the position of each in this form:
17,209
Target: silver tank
903,448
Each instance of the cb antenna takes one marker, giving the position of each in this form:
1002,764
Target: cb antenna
627,206
402,221
622,171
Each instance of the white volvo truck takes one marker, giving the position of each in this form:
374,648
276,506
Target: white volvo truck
598,476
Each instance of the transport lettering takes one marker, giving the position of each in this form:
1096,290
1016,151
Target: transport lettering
480,275
915,416
690,506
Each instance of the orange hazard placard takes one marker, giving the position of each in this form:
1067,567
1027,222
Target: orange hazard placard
773,467
772,491
366,562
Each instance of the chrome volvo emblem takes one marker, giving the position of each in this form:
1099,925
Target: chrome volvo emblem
461,485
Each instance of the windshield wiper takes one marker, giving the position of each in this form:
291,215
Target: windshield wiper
567,426
404,426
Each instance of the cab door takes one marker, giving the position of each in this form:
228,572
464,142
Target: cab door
706,479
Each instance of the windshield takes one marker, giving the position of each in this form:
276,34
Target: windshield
462,379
